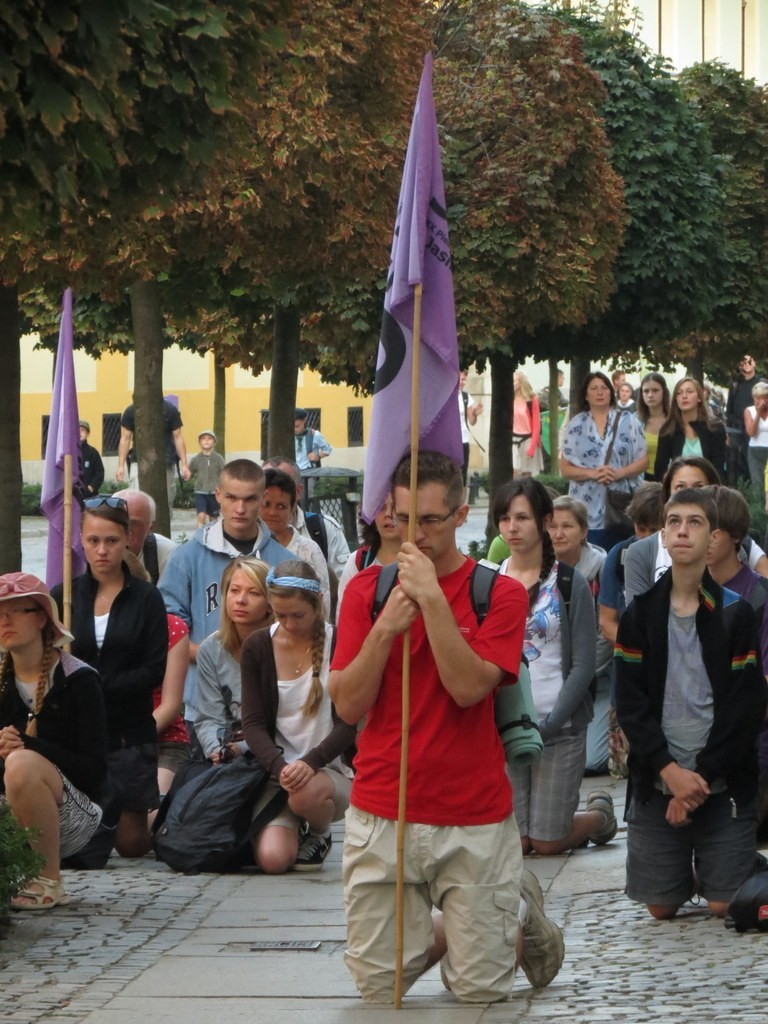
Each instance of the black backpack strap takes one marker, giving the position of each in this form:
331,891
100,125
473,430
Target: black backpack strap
317,531
482,580
385,583
484,576
565,585
151,563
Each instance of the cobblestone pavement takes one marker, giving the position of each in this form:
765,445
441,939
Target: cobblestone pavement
139,941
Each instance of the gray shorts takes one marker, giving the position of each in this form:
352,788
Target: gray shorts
710,857
172,754
546,793
287,819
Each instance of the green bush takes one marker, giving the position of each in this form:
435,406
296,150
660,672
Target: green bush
18,862
557,483
477,550
335,486
30,499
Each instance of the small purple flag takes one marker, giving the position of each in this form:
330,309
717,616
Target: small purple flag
63,439
420,254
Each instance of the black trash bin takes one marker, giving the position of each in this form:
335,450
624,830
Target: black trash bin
343,507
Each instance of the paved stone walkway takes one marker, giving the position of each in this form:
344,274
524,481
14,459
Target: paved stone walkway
139,942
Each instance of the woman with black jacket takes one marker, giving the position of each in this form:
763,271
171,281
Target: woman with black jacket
690,429
53,749
120,627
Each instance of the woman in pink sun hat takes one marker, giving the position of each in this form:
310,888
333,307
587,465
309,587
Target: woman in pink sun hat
53,748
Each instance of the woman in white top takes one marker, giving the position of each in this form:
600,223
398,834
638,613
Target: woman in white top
290,725
756,428
560,646
53,747
647,560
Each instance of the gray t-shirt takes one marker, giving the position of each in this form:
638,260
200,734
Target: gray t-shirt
688,704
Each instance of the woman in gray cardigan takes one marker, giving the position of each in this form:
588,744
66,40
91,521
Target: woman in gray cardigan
560,647
245,607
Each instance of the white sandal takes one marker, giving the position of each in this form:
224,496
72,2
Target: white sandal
51,894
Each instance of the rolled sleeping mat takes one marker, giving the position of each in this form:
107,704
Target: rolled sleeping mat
517,721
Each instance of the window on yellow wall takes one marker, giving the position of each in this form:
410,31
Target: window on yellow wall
354,426
110,433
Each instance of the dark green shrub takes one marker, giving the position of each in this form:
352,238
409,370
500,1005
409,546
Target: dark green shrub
557,483
477,550
335,486
17,860
30,499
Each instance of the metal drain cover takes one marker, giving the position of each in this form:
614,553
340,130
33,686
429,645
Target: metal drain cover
259,947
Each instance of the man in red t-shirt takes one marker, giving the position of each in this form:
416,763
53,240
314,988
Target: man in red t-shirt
462,852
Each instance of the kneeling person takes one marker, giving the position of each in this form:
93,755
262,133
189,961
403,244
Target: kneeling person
691,700
463,855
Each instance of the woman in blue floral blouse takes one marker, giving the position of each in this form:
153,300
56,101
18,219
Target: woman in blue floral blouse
602,447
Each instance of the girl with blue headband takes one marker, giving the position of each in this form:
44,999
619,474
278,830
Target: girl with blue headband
290,725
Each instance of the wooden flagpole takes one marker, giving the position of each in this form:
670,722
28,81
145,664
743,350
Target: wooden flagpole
406,688
66,597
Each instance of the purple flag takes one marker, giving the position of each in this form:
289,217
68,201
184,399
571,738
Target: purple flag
420,254
63,439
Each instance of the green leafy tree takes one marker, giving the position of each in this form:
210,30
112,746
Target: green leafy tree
306,205
536,208
735,111
319,204
114,116
671,260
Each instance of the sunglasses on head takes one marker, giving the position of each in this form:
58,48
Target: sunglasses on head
104,499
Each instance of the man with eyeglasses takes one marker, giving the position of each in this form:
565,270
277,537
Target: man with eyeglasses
739,399
152,549
462,851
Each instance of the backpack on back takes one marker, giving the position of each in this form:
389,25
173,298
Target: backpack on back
317,531
483,577
514,709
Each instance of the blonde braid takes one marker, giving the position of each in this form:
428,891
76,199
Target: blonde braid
315,696
49,653
6,672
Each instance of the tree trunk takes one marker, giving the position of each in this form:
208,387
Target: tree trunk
10,433
149,439
580,367
554,419
220,406
282,391
694,365
499,444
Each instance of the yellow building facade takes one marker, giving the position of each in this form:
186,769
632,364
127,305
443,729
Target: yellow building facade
105,388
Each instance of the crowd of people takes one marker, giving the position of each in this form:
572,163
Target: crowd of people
635,601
